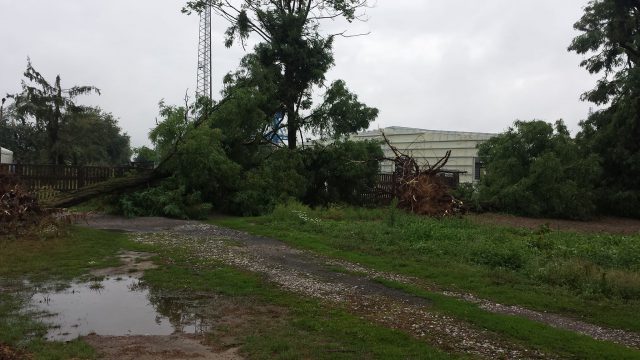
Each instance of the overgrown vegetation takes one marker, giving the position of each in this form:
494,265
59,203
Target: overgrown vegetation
535,169
210,164
592,276
247,153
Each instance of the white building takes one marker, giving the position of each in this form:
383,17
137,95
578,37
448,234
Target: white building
428,146
6,156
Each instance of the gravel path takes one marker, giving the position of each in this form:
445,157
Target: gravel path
315,276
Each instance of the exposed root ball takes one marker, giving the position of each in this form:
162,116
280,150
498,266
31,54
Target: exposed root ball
18,207
422,191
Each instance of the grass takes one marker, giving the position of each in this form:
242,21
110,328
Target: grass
533,334
307,329
63,258
310,330
593,277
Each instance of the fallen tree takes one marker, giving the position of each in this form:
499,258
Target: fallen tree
108,187
419,189
141,178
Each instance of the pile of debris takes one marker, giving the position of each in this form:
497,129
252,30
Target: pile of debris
19,208
9,353
419,189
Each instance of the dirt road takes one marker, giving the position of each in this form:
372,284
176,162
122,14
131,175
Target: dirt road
350,286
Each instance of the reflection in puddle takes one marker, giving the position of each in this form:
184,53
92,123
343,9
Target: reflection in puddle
114,307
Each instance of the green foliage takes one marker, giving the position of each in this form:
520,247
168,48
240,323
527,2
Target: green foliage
611,136
469,194
26,142
609,35
201,172
341,171
340,113
144,154
194,155
277,180
45,125
610,38
392,218
168,199
211,158
94,138
536,170
290,61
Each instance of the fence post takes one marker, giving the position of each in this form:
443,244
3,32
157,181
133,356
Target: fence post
81,176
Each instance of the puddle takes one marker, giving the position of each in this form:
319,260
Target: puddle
114,307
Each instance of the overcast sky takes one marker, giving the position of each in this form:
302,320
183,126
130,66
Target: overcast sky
435,64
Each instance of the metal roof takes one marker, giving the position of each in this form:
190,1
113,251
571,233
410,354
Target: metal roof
401,130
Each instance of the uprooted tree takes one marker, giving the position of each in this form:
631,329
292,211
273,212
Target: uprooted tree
419,189
19,209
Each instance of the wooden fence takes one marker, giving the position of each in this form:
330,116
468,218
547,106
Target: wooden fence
382,193
49,180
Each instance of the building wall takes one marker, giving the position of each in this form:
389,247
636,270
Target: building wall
6,156
428,146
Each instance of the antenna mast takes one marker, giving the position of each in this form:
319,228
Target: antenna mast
204,56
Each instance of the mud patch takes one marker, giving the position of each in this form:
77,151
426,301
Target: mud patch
9,353
134,264
179,346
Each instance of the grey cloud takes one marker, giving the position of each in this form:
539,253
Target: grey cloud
434,64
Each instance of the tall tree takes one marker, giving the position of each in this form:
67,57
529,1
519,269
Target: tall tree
93,137
48,104
610,40
292,51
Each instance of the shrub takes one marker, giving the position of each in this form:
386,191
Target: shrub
168,199
277,180
341,171
536,169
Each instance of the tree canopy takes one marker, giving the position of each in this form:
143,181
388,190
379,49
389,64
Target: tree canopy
291,59
610,40
536,169
44,124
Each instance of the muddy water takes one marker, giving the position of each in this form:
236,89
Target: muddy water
115,306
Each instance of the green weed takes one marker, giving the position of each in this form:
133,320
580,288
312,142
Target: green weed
542,269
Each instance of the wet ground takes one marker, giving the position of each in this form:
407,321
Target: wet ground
169,326
313,276
114,307
122,318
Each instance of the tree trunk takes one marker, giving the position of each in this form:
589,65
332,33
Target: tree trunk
292,126
108,187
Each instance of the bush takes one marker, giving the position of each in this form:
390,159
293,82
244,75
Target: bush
168,199
243,177
340,172
277,180
537,170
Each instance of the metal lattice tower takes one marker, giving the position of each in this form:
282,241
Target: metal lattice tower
204,56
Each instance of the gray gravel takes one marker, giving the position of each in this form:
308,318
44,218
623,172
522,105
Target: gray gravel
309,275
355,287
